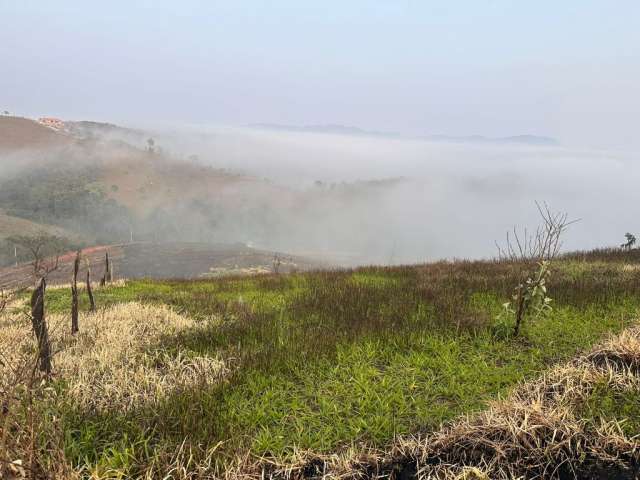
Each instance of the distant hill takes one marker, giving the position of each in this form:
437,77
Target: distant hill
337,129
522,139
17,133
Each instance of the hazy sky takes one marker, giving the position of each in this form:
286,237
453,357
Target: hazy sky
569,69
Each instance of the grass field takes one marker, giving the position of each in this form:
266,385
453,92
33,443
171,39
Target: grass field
196,377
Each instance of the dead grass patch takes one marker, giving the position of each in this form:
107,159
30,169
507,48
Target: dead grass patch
115,361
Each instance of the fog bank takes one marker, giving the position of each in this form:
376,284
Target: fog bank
350,199
455,199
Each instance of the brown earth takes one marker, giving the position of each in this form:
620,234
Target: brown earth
17,133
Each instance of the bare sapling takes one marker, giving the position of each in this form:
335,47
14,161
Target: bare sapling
532,254
40,326
74,295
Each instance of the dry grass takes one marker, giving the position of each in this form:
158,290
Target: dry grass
121,282
114,362
536,432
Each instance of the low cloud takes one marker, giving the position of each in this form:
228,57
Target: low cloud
354,199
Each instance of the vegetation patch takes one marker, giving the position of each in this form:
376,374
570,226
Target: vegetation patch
570,423
202,375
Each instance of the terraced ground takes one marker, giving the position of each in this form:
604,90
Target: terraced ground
336,373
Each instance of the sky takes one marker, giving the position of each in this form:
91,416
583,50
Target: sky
568,69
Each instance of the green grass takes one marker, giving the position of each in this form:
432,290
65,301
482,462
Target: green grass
612,405
335,358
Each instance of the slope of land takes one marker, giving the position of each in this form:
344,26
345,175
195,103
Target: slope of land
102,187
218,373
11,226
162,260
18,133
108,191
92,130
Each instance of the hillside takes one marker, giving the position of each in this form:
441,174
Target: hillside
162,260
101,186
92,130
18,133
10,226
107,190
390,371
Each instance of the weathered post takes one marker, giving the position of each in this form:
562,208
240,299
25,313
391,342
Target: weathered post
92,302
108,275
109,269
74,295
40,326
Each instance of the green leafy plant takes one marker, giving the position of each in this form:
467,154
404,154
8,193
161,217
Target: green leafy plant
531,255
529,299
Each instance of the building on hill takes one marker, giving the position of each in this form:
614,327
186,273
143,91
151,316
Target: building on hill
51,122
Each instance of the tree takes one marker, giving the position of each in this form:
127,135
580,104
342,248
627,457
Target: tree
532,254
631,241
39,247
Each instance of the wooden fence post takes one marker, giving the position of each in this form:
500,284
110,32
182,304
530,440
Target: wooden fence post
40,326
90,291
74,295
109,269
108,275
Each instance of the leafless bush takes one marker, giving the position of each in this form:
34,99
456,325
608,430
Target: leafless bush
541,245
